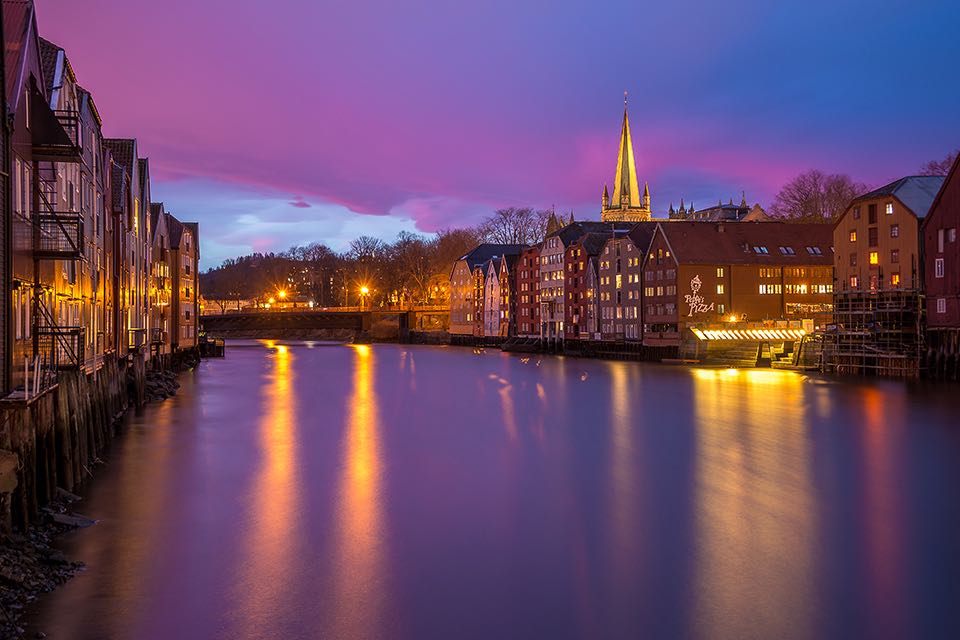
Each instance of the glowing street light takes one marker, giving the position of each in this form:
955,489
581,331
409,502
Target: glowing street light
282,293
364,290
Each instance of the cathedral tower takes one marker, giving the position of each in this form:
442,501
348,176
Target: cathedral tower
628,203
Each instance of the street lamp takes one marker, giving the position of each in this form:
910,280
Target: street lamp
282,294
364,290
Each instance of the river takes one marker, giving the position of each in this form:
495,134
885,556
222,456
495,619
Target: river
301,490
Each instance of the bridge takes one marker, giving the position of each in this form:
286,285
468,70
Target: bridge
326,323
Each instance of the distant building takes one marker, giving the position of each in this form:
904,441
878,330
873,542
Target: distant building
527,295
942,261
491,298
580,287
467,287
161,284
877,239
184,260
628,204
728,212
620,270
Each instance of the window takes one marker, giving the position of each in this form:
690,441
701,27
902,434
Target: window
873,237
895,256
938,268
854,282
761,249
719,272
941,305
940,241
894,279
894,231
853,235
788,251
856,213
872,214
720,289
889,208
853,259
874,258
952,234
814,251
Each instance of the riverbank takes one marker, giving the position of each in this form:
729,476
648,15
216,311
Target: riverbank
50,445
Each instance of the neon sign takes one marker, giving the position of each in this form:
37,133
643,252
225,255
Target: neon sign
697,302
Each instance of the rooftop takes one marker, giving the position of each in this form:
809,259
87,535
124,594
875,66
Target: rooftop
915,192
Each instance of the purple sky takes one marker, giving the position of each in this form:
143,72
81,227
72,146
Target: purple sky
292,121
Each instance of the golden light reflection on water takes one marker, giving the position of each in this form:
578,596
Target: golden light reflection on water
755,508
623,499
271,555
359,569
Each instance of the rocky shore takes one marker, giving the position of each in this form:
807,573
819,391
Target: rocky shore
160,385
31,566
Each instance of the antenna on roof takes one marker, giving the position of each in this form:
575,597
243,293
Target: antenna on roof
624,98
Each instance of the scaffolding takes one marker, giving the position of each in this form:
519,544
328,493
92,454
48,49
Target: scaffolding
876,333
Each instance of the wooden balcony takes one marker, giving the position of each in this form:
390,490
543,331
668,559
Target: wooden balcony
56,135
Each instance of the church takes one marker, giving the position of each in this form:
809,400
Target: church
627,204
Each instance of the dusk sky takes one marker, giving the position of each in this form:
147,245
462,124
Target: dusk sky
293,121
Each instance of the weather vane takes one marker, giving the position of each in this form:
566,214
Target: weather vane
624,97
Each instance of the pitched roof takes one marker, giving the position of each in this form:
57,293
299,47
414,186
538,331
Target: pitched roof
642,233
118,178
175,230
18,26
592,243
484,252
915,192
123,150
48,62
750,242
953,174
574,230
156,211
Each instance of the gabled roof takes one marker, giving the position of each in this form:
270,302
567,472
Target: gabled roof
123,150
915,192
157,218
953,174
119,186
742,242
574,230
175,230
48,62
642,234
592,243
484,252
19,38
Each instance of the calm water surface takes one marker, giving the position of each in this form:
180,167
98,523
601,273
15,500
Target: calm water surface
308,491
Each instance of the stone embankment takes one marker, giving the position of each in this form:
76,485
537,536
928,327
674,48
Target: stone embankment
49,446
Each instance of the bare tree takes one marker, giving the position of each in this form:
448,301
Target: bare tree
515,226
939,167
814,196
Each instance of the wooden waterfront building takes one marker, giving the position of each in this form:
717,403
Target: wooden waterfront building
620,271
467,280
185,299
941,261
878,302
527,295
736,282
580,290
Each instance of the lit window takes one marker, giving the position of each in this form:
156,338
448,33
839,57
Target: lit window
894,231
874,257
720,288
853,235
889,209
895,279
719,272
854,282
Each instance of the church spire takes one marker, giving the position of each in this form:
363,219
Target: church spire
626,192
605,199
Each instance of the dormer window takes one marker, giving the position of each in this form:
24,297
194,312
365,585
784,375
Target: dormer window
814,251
787,251
761,250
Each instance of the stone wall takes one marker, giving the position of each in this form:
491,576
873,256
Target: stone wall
58,436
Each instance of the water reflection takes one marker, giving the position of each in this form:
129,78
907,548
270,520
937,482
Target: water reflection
359,570
623,468
271,553
754,505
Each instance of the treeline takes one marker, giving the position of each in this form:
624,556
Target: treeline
412,270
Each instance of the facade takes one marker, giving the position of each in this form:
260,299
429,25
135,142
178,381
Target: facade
620,271
877,239
185,299
942,255
527,295
466,287
161,283
507,281
491,298
720,276
579,287
627,203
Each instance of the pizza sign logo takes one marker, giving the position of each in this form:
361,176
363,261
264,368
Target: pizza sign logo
696,301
